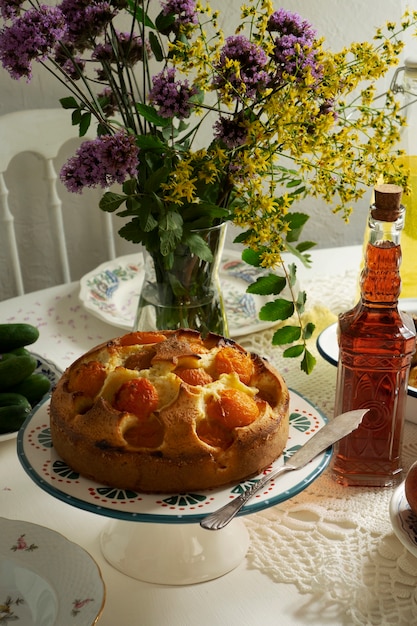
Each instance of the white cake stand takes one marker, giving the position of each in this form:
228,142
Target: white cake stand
168,546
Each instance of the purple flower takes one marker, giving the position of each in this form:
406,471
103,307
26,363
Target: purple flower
171,96
10,8
287,23
130,49
71,64
251,78
232,131
86,19
184,10
293,50
101,162
31,36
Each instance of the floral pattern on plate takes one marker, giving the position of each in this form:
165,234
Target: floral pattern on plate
44,578
403,520
110,292
54,476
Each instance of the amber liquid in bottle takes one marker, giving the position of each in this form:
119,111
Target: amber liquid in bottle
376,343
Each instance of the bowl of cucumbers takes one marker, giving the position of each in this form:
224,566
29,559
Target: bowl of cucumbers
25,377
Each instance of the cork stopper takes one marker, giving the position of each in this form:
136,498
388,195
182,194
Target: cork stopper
387,205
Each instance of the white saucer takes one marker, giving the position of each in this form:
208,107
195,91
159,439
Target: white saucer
403,520
46,579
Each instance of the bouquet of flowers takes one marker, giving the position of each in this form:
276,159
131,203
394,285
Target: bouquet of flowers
201,128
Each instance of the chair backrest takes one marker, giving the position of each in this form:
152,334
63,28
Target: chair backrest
43,132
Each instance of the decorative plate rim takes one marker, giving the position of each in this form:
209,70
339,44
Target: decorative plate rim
162,508
403,520
68,553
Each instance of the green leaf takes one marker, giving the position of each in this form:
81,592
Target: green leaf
147,222
297,192
198,246
294,351
203,214
163,22
242,237
156,178
150,142
286,334
176,285
150,114
102,129
308,330
292,274
76,117
267,285
129,186
308,362
156,46
305,259
69,103
132,231
296,222
110,201
305,245
251,257
133,207
279,309
168,241
172,221
294,183
301,300
140,15
85,123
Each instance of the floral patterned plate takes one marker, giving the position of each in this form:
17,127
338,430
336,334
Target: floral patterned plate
48,369
403,520
110,292
42,464
46,579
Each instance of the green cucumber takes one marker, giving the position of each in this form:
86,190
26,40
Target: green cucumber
14,336
12,418
16,369
14,399
12,353
34,387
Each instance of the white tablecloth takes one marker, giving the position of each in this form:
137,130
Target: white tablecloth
327,556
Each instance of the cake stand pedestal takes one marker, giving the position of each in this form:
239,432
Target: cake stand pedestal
174,554
157,538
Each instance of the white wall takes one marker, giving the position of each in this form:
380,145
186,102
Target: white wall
340,22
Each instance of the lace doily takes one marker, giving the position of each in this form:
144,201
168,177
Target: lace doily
334,543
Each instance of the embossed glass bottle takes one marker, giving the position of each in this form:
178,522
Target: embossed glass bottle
376,343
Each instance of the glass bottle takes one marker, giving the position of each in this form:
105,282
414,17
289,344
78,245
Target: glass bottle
376,344
404,83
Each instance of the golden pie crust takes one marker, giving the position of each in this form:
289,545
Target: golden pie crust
184,436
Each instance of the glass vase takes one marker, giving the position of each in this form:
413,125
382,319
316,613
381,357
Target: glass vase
188,295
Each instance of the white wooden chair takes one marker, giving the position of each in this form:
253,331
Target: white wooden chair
43,132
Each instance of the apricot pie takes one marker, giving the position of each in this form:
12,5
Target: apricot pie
169,412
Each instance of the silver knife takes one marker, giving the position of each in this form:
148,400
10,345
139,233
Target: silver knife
331,432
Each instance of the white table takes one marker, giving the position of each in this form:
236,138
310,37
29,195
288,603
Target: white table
262,590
